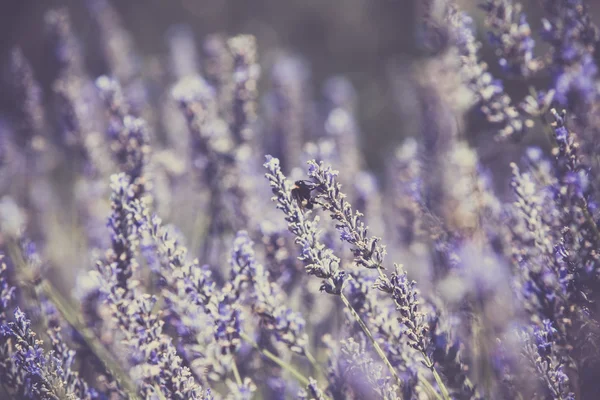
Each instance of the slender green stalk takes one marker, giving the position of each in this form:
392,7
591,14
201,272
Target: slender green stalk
313,361
371,338
441,385
430,389
236,373
438,379
301,378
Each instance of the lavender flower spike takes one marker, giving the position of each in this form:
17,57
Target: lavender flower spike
42,374
510,35
368,252
268,299
550,370
318,259
245,76
121,255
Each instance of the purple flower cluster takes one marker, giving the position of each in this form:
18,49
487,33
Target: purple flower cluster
191,284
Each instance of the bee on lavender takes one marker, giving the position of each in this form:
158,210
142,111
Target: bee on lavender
302,193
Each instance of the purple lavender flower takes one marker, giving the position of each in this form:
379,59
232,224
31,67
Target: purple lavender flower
121,256
268,301
364,376
128,134
312,391
318,259
510,35
7,291
216,156
11,375
43,375
539,352
66,48
151,353
492,100
73,381
368,252
404,194
573,36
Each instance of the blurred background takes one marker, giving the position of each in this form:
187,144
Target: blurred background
375,44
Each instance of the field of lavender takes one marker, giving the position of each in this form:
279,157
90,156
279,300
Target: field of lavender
211,230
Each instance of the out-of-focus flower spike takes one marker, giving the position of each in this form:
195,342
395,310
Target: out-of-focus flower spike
341,123
280,259
129,135
77,106
539,352
150,351
216,156
510,35
7,291
544,291
67,51
125,63
43,375
574,196
493,102
569,29
268,301
117,44
73,381
121,256
27,96
183,55
287,110
403,195
245,80
219,70
367,192
366,377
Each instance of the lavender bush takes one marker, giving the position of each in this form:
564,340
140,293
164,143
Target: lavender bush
194,237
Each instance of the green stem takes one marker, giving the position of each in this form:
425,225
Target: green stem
313,361
437,377
236,373
301,378
371,338
430,389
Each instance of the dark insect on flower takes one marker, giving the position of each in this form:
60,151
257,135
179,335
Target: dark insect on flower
302,193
